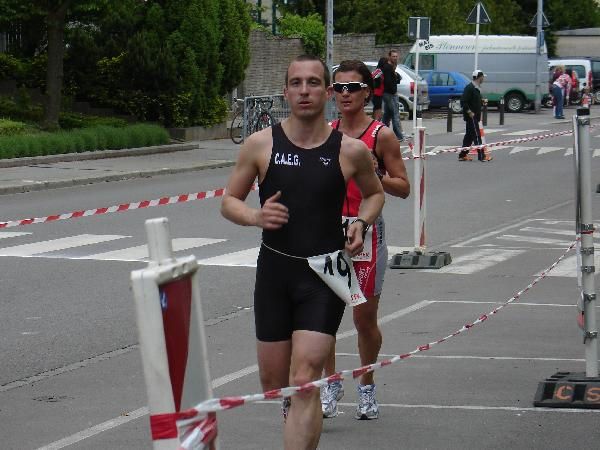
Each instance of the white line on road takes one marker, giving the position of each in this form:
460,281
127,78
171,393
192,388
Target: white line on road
476,261
523,133
140,252
534,240
140,412
57,244
469,408
11,234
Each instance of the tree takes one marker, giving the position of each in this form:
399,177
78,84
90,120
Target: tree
56,14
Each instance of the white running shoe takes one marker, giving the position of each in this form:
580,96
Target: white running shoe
330,395
367,407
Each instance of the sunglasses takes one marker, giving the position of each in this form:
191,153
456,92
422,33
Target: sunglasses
352,86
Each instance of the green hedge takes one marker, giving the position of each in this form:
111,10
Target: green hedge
10,127
82,140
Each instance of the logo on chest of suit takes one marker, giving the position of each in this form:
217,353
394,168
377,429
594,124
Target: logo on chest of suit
325,161
287,159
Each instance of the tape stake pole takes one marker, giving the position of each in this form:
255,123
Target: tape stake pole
417,194
160,248
587,241
422,186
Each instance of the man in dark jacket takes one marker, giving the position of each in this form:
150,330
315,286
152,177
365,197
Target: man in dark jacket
391,78
471,102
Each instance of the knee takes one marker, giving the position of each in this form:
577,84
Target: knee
366,324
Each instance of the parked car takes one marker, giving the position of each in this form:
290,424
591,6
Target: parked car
588,72
446,87
406,88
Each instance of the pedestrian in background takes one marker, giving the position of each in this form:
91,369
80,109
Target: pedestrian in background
471,102
377,99
353,87
391,105
561,85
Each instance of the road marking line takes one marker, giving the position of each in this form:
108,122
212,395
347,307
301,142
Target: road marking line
482,358
243,258
11,234
477,261
534,239
466,407
140,252
492,233
568,267
58,244
521,149
523,133
140,412
596,153
562,232
544,150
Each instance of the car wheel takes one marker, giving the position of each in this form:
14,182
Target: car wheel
455,106
596,96
403,107
514,102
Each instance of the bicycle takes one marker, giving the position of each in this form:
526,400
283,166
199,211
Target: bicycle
259,117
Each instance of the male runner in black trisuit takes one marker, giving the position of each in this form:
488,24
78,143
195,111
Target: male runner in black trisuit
302,166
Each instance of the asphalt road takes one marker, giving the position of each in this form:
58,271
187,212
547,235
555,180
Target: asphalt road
71,372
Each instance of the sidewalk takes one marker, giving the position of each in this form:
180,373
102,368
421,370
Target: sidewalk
55,171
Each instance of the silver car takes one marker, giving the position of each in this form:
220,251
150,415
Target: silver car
406,88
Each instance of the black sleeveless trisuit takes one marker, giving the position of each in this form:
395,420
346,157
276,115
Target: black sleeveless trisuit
288,295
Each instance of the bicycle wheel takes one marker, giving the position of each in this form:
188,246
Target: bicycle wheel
263,121
237,124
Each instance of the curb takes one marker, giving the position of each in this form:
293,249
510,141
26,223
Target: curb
97,154
46,185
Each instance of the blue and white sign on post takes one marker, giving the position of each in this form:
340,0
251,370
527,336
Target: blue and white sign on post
173,345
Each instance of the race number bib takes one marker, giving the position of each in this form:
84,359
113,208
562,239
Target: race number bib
337,271
367,252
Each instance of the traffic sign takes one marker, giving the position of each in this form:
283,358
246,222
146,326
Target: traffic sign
545,22
484,17
424,27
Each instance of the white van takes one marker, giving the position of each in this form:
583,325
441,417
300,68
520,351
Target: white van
508,61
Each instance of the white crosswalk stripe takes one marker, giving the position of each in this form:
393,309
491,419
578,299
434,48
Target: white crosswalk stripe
478,254
544,150
11,234
524,132
54,245
478,260
568,267
518,149
140,252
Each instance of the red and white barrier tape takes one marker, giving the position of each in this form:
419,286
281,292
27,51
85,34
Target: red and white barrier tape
224,403
182,198
537,137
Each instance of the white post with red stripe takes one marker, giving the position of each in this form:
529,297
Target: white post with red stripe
173,344
419,183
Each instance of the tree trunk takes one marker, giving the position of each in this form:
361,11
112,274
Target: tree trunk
54,72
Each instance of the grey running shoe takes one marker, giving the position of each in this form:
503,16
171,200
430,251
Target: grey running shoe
285,407
367,407
330,395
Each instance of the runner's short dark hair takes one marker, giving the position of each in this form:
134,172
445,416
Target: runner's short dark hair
306,57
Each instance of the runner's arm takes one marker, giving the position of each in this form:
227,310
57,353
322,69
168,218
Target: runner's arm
272,215
373,196
395,181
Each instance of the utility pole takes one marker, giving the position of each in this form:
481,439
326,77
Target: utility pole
540,46
329,60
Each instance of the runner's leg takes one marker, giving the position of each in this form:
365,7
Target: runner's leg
305,420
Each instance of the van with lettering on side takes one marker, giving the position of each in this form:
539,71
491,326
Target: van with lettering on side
508,61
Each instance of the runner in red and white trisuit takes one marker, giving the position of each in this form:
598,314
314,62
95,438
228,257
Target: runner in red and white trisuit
353,89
